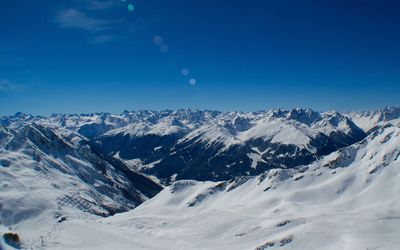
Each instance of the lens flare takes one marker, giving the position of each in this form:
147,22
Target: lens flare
164,48
131,7
192,81
185,72
158,40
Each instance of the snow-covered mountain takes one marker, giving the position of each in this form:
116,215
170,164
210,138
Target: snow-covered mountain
368,120
294,179
206,145
346,200
44,176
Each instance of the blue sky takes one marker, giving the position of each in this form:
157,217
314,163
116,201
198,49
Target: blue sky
81,56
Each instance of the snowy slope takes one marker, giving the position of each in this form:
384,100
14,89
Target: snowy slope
347,200
44,177
367,120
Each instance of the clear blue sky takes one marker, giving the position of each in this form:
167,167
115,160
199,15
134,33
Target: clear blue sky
80,56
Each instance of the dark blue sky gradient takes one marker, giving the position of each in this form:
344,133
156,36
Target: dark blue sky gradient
81,56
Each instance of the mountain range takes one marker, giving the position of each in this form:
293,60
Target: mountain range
197,166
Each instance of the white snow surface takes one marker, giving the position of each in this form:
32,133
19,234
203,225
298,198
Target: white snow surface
295,127
370,119
43,179
347,200
277,130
